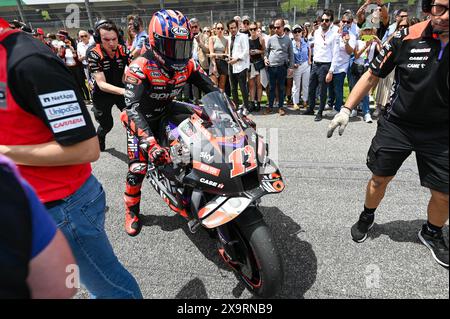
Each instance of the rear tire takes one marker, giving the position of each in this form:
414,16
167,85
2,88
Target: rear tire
260,267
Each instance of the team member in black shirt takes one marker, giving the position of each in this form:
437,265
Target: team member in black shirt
417,120
107,62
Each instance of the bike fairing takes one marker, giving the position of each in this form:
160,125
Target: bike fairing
220,168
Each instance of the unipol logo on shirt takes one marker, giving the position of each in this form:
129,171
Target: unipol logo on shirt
57,97
60,111
68,124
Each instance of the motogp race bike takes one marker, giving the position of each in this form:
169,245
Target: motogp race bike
220,169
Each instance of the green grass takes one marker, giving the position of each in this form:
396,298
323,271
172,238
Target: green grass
264,97
302,5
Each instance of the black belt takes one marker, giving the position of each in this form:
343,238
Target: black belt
320,63
54,203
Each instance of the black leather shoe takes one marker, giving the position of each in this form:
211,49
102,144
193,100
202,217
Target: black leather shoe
308,112
318,117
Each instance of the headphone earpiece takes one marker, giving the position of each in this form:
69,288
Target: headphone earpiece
96,36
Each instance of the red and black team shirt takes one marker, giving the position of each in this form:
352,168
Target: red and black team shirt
419,95
40,104
113,68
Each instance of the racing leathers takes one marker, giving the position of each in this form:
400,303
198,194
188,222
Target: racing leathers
149,93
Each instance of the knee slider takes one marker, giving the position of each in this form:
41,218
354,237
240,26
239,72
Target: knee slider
136,174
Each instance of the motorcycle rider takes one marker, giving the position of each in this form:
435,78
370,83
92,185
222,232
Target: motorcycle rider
152,81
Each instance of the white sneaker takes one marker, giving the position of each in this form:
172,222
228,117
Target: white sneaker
245,111
354,113
328,107
332,113
368,118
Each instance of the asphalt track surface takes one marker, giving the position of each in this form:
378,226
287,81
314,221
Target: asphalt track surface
310,221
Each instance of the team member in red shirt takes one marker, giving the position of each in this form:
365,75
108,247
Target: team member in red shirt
46,130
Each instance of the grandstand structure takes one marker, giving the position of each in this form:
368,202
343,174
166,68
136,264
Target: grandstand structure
56,14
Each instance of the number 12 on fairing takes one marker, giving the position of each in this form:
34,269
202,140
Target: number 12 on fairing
243,160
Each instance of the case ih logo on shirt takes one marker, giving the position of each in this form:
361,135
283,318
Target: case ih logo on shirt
68,124
60,111
57,98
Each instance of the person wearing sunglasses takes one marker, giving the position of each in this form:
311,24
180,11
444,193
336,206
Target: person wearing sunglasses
416,120
280,61
343,49
245,25
238,64
218,48
324,42
82,46
400,14
257,48
379,17
271,29
302,66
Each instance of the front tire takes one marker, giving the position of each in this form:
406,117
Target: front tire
254,257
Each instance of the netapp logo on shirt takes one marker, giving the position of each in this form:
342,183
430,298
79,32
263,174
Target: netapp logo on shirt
57,112
68,124
57,97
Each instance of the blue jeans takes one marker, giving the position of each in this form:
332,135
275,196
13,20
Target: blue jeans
350,78
338,83
277,74
356,75
81,218
366,105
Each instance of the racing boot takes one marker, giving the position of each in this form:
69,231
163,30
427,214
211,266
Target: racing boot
102,143
133,223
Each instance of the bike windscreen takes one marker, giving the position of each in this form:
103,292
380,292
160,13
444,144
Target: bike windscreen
223,121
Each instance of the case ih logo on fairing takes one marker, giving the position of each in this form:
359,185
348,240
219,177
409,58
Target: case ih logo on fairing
211,183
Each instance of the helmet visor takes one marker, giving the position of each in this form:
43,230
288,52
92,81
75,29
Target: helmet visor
176,49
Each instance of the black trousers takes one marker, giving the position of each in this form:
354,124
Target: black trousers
103,104
317,79
241,79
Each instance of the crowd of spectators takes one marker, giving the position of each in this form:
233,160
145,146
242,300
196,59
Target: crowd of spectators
299,66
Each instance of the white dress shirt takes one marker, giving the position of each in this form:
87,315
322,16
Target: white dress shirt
341,58
241,51
81,51
324,45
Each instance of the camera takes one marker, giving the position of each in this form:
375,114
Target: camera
345,29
